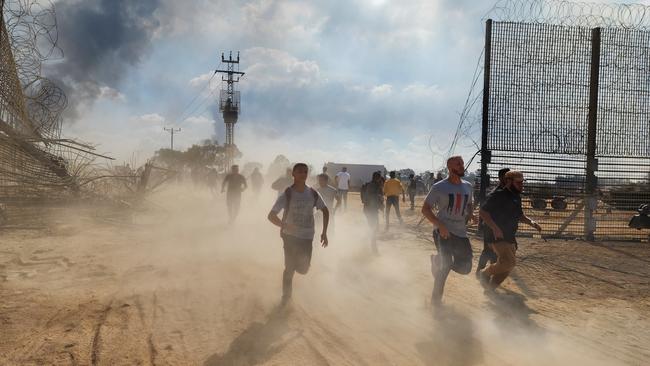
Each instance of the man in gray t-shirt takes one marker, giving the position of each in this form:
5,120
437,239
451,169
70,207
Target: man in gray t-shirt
453,199
297,204
454,203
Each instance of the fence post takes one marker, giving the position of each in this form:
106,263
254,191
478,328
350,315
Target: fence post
485,153
591,182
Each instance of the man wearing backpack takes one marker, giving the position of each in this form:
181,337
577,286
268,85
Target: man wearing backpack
372,197
297,226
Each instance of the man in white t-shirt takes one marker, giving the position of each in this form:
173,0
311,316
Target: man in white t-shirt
343,185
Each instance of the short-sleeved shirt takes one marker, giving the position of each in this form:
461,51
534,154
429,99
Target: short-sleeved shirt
504,206
329,194
235,182
344,180
454,202
393,187
301,212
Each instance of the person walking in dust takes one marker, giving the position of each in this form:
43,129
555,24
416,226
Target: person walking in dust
342,181
488,255
372,197
297,227
502,213
392,189
257,181
283,182
329,194
412,190
236,184
453,199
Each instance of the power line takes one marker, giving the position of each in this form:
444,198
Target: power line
182,115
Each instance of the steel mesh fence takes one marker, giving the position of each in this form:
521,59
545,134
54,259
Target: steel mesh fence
539,85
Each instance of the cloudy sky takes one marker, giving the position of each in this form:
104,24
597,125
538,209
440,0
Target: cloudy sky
357,81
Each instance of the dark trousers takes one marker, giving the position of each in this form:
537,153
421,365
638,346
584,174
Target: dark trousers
372,215
392,201
412,199
233,201
297,258
454,254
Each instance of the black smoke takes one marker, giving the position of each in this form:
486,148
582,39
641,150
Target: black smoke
100,40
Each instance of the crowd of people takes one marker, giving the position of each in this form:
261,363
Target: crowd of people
448,206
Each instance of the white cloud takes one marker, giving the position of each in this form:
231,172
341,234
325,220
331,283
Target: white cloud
272,68
418,90
381,90
201,79
151,118
198,120
109,93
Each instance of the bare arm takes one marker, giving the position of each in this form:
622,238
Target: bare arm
338,203
326,221
223,184
526,220
275,220
427,211
487,219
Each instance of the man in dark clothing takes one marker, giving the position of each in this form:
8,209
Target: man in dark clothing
502,213
488,254
236,185
372,197
412,190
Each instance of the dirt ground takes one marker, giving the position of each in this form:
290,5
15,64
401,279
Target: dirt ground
176,286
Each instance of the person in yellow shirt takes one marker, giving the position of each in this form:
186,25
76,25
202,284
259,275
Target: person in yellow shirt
392,189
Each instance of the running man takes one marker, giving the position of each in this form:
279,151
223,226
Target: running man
392,190
412,190
453,198
236,185
488,255
502,213
372,197
343,185
297,226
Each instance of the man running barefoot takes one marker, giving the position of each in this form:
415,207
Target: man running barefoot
297,226
453,198
502,213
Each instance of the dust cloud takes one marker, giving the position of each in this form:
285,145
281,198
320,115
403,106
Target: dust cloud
174,284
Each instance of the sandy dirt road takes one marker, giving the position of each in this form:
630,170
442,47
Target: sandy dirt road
178,287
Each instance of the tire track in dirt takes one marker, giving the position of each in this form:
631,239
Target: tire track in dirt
95,344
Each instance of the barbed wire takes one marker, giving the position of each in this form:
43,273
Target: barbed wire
569,13
32,33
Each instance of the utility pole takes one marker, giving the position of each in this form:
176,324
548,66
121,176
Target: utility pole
229,102
171,132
